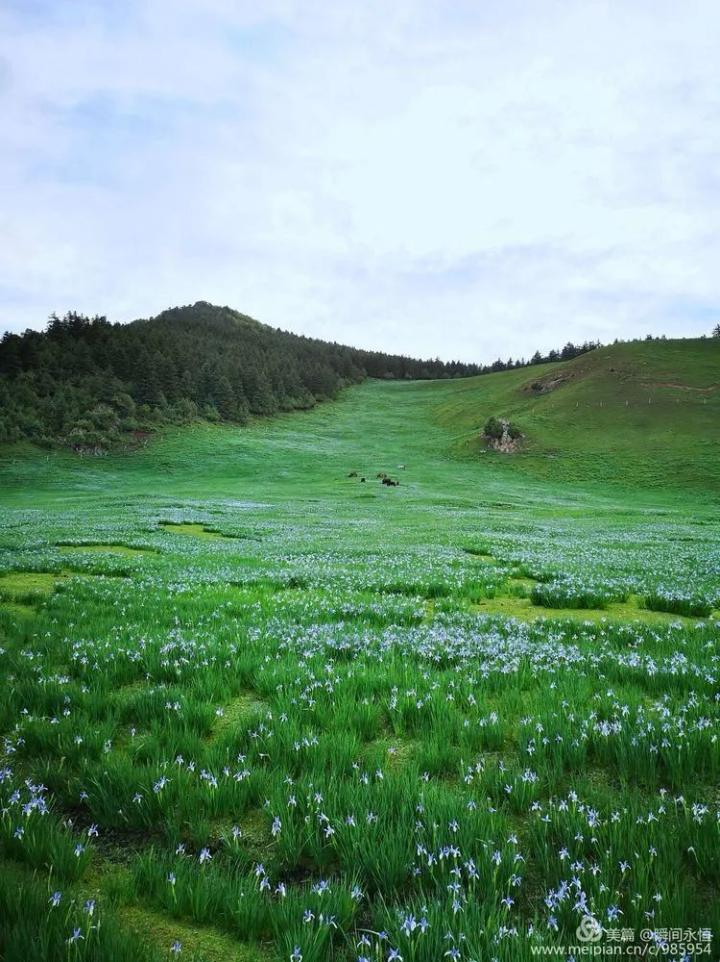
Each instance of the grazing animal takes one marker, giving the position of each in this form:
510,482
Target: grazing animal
381,474
353,474
362,479
390,483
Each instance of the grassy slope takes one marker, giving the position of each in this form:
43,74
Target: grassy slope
643,413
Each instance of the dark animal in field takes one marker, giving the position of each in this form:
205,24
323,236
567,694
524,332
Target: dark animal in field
353,474
362,480
390,483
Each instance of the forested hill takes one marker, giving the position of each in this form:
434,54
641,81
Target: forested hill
92,384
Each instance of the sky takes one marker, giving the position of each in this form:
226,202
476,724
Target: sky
462,179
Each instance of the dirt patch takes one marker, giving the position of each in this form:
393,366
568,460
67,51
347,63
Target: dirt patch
547,384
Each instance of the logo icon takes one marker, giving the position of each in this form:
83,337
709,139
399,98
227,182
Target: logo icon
589,929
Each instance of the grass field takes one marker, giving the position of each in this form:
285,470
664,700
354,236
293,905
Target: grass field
255,709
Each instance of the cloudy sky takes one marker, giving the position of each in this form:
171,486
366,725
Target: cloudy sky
463,178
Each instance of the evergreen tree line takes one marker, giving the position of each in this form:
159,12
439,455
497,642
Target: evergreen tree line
92,384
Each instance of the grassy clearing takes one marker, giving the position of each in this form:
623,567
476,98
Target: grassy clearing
17,608
195,940
123,550
358,709
22,590
19,583
632,610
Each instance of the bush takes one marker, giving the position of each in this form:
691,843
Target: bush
102,418
493,429
183,411
123,404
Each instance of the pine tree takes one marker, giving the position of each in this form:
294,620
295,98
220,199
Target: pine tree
260,396
223,397
146,385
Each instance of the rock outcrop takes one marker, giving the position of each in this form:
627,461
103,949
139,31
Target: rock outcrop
509,441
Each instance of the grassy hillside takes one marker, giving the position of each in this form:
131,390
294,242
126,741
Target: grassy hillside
642,413
581,431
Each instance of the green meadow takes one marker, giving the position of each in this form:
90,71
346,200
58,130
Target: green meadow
256,708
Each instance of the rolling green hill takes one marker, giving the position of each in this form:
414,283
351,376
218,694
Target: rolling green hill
643,412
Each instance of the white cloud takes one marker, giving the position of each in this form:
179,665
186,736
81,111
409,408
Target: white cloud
458,179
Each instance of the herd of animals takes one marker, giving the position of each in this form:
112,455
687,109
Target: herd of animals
381,476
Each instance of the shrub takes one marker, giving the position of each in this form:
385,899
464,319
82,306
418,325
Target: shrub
493,428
